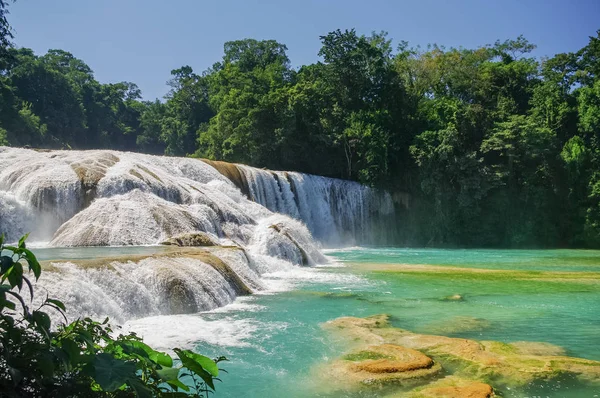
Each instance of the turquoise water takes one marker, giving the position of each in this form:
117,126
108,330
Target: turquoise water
528,260
87,253
287,342
275,343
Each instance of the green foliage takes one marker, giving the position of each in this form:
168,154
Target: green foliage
3,137
82,358
5,29
495,147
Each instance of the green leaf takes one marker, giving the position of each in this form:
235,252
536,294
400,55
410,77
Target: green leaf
178,384
5,263
45,365
146,351
86,337
135,347
1,239
203,366
57,303
206,363
15,275
140,388
7,304
162,359
22,241
168,374
34,265
41,319
15,375
111,373
72,349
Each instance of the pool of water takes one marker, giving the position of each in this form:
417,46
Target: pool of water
528,260
86,253
275,341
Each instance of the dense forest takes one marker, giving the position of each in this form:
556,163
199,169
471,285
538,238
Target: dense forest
495,147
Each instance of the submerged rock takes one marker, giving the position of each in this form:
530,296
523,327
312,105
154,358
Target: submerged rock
382,365
458,324
537,348
454,297
452,387
489,361
173,281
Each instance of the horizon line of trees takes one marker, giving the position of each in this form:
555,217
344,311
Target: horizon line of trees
496,147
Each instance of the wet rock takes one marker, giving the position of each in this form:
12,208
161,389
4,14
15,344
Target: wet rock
180,297
537,348
507,364
232,172
458,324
453,387
90,171
194,239
381,365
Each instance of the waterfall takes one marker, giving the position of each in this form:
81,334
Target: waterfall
124,289
337,212
108,198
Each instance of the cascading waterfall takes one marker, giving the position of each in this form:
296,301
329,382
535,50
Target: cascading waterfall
111,198
337,212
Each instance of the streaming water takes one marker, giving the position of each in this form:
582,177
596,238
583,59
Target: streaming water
264,223
274,341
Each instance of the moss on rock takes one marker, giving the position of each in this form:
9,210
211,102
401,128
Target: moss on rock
194,239
489,361
381,365
452,387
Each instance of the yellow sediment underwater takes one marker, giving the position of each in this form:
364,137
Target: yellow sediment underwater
398,362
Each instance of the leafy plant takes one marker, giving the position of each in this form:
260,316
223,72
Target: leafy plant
81,358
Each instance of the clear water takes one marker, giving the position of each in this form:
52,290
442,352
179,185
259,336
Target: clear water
274,341
87,253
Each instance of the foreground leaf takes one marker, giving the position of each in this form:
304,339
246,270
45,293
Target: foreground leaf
111,373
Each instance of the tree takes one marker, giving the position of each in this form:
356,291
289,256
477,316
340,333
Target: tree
244,91
5,30
520,156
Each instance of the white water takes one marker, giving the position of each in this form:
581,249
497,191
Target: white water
337,212
110,198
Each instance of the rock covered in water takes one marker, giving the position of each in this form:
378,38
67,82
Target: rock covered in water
195,239
280,237
135,218
59,184
458,324
336,211
380,365
452,387
454,297
175,281
502,363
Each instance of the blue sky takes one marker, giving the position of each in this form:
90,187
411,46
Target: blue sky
143,40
